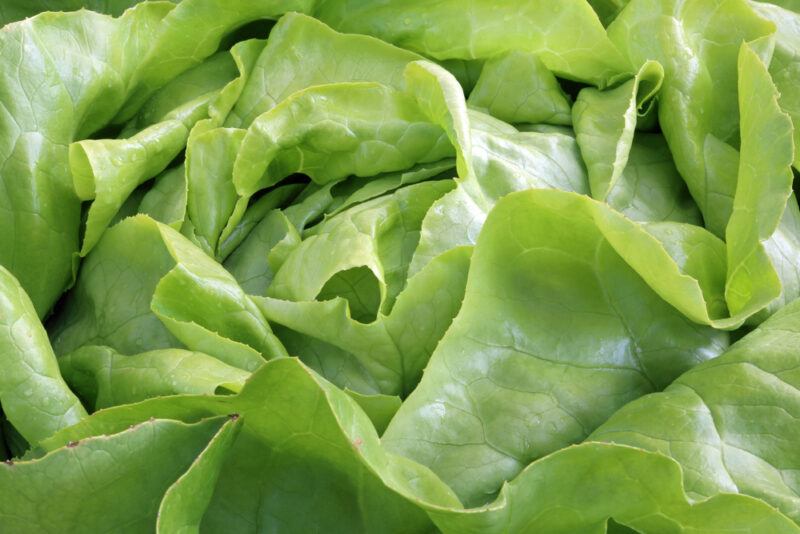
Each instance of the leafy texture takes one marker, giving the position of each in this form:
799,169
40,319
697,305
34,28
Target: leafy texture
517,87
567,36
650,188
605,122
698,107
493,159
765,183
106,483
140,302
301,53
785,63
102,73
109,170
368,123
34,397
386,355
103,377
327,445
14,10
329,448
184,504
399,266
730,422
557,284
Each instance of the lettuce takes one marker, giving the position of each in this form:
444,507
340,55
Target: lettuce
384,266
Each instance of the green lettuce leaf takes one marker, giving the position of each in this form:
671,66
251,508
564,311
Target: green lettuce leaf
493,159
359,128
698,109
33,395
329,450
105,483
156,295
730,422
785,63
92,70
13,10
388,354
574,313
517,87
299,433
467,267
166,200
103,377
607,10
303,52
566,36
762,191
650,188
185,502
604,124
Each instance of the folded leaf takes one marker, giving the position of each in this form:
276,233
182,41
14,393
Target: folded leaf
493,159
388,354
605,122
328,450
165,202
13,10
607,10
103,377
137,299
184,504
731,422
566,36
33,395
68,75
517,87
108,483
274,237
379,408
650,188
303,52
785,62
346,128
581,335
255,213
762,190
698,109
108,171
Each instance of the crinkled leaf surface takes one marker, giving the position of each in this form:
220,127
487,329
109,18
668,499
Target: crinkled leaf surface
388,354
517,87
530,336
